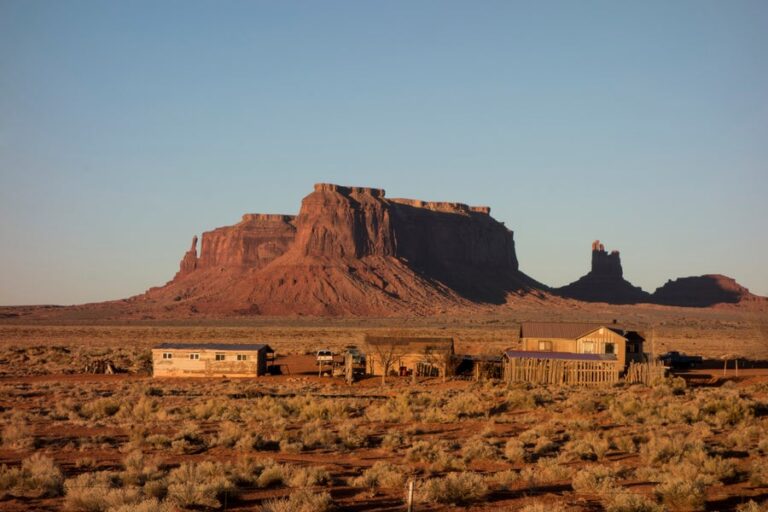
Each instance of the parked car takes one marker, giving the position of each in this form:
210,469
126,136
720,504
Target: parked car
324,357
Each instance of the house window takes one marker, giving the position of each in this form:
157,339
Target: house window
631,348
545,346
588,347
219,357
194,356
242,357
610,348
167,355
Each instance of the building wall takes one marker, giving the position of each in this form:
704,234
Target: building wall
602,336
599,337
207,366
557,344
410,361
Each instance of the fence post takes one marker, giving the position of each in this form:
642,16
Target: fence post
410,495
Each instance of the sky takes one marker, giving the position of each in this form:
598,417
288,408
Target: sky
128,127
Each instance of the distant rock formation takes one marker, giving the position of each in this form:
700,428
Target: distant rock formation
351,250
703,291
605,281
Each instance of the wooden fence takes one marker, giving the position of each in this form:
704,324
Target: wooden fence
561,372
644,373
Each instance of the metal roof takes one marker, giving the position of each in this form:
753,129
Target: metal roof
571,356
564,330
215,346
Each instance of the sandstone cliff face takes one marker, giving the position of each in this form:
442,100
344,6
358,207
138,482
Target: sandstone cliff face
255,241
604,282
352,251
703,291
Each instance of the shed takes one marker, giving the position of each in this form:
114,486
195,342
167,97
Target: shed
210,360
409,355
582,338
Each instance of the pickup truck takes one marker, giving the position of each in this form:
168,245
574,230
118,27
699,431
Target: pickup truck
679,361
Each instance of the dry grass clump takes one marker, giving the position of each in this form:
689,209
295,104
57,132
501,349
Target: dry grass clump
589,447
478,448
17,435
308,476
619,500
203,485
681,492
594,479
99,492
546,470
99,409
515,452
301,501
37,477
439,455
380,475
758,473
752,506
454,489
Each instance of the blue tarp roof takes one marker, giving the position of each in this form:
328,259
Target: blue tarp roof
521,354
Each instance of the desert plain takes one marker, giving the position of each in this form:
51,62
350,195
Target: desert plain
87,442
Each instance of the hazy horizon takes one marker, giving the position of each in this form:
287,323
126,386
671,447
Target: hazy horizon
127,128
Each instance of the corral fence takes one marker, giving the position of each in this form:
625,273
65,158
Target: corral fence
561,372
645,373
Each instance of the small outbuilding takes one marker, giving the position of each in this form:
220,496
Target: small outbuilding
621,345
408,355
210,360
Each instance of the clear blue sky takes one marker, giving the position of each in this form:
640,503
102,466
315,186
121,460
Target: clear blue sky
128,127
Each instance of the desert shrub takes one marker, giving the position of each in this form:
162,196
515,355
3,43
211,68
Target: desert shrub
316,435
147,505
288,446
752,506
229,434
545,471
381,474
137,470
308,476
158,441
725,408
681,493
504,479
398,409
17,435
593,479
515,399
100,408
454,489
301,501
393,440
540,506
352,435
273,475
95,492
438,455
619,500
478,448
589,447
189,439
758,473
465,405
664,448
202,484
515,451
37,477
